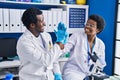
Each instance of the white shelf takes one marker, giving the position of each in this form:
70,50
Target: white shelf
63,12
3,76
37,3
117,42
16,63
34,3
8,64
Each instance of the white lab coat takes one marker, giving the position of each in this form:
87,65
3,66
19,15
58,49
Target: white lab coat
37,61
77,66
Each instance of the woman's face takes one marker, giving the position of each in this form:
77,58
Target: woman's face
91,28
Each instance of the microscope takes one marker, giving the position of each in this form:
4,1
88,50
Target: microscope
96,68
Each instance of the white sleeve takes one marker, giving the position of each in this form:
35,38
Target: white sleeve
27,51
70,44
56,67
102,56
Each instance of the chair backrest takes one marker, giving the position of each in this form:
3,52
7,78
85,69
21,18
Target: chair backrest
8,47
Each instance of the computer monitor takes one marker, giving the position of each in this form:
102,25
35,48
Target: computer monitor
8,48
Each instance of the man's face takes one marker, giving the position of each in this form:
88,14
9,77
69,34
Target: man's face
40,23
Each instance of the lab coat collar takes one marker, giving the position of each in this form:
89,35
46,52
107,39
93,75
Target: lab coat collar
46,40
95,44
28,33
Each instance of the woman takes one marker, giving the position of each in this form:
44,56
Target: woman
79,45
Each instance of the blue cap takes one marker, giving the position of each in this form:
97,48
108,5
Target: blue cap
9,76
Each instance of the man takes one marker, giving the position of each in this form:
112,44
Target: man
35,49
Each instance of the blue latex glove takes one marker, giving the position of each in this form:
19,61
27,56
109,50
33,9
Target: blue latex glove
61,33
58,76
62,26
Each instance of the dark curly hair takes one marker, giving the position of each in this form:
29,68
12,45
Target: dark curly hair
100,21
29,16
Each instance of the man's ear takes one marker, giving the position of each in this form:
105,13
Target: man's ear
32,25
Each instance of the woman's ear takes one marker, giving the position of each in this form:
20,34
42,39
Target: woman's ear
97,30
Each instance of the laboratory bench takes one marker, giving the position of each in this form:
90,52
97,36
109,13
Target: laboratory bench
13,67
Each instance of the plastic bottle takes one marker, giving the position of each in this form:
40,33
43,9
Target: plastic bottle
67,55
26,1
45,1
71,1
9,76
38,1
55,1
81,2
